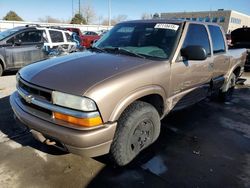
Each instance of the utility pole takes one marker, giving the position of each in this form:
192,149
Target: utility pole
109,12
80,7
72,8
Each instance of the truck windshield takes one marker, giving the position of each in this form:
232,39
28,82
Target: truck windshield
148,40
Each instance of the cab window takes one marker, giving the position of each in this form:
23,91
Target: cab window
197,36
217,39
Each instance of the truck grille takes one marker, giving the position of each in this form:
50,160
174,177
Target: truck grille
37,92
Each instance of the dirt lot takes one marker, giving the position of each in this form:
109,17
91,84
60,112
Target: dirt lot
207,145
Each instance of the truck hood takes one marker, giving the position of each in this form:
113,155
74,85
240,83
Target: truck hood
77,72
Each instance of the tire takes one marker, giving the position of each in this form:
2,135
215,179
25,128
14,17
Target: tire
138,127
1,70
226,93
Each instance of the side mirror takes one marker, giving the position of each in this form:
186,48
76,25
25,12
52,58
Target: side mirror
194,53
17,42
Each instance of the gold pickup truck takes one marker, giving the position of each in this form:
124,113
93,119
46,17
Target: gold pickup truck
111,99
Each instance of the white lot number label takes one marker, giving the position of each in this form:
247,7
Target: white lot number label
167,26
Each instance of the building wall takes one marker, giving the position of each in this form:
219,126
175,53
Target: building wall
238,20
228,19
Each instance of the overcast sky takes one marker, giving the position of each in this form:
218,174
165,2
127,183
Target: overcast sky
31,10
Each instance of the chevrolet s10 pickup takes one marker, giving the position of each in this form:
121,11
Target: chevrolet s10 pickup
111,99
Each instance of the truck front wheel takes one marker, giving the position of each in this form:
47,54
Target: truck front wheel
138,127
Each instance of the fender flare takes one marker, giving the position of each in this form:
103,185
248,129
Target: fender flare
135,95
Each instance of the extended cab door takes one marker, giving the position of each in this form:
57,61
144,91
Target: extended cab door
24,48
190,78
221,61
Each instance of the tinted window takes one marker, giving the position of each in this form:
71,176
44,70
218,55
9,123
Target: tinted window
30,36
207,19
68,37
197,36
56,36
215,19
222,19
9,32
217,39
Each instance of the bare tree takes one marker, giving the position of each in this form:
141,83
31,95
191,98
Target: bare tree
50,19
88,13
115,20
146,16
119,18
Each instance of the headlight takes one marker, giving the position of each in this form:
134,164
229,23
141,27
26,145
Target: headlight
17,77
72,101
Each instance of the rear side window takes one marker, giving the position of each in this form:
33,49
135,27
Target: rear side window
197,36
217,39
56,36
68,37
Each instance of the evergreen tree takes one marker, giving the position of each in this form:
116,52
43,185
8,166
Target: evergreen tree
78,19
12,16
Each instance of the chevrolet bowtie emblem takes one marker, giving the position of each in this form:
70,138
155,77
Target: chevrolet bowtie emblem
28,98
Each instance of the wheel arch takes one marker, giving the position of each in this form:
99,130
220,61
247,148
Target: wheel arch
2,62
153,95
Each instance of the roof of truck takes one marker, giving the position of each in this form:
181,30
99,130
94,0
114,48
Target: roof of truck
177,21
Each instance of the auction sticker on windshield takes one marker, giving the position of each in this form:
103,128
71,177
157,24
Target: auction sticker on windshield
167,26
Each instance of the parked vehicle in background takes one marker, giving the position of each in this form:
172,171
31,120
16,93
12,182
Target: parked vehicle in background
89,37
241,39
229,40
57,41
78,32
21,46
119,91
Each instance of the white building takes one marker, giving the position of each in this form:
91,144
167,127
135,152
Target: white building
228,19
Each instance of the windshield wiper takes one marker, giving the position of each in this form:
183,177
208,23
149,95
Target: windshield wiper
123,51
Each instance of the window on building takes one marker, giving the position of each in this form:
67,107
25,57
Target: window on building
197,35
215,19
222,19
207,19
200,19
235,20
217,39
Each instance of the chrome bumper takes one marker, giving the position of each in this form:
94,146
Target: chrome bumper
82,142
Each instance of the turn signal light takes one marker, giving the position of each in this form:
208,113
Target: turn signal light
85,122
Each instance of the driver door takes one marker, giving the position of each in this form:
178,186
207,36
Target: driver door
24,48
190,78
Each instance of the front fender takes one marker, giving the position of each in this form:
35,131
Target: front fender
135,95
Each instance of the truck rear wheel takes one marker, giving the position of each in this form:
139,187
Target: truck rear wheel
226,93
138,127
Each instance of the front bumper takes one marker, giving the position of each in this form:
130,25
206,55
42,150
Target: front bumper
82,142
